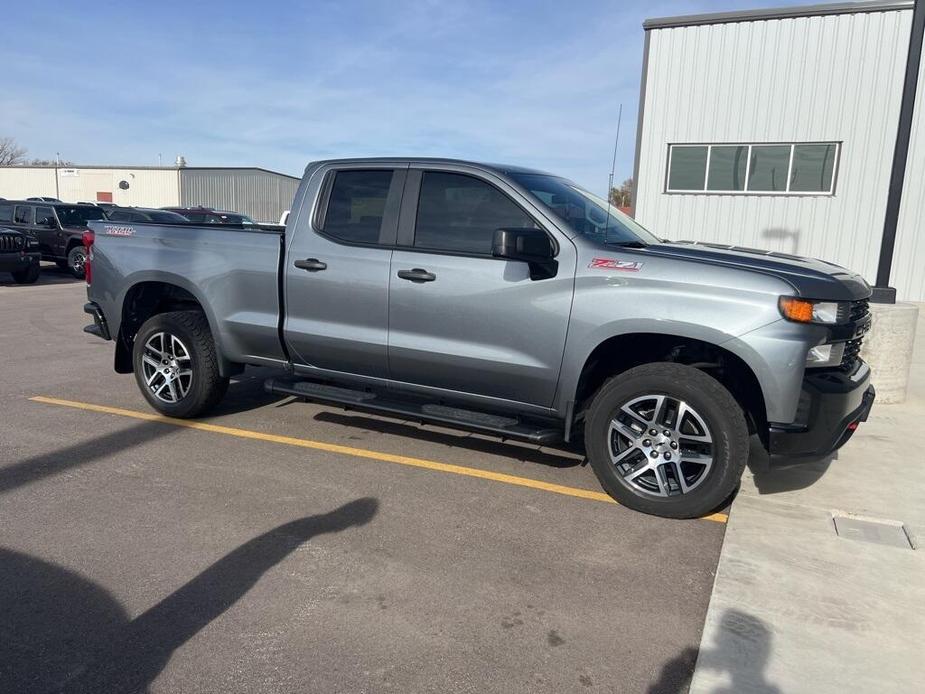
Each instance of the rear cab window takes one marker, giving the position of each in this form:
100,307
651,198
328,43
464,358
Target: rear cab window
23,214
356,205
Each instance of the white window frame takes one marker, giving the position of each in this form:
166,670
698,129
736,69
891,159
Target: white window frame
706,174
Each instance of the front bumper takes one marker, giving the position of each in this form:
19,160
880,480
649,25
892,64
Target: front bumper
832,404
14,262
99,328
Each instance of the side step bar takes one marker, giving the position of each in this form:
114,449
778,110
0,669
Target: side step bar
420,410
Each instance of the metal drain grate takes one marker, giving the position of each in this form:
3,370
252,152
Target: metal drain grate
889,533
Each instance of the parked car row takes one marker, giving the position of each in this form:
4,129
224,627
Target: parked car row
54,229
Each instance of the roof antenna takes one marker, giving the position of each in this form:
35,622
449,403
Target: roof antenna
613,167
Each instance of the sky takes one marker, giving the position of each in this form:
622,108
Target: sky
278,84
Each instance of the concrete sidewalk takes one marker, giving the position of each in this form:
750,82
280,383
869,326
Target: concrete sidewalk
798,606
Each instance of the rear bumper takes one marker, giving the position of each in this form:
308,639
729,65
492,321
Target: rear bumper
14,262
832,405
99,328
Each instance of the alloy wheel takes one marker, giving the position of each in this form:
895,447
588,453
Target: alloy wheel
660,445
167,367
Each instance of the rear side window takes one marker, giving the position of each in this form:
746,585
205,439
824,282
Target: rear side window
459,213
22,215
356,205
6,213
44,216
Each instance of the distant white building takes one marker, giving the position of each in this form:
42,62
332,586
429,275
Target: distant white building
263,195
781,129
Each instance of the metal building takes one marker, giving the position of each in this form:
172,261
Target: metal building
796,130
261,194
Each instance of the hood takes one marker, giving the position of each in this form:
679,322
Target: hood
811,278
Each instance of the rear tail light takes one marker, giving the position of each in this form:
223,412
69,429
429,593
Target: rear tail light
88,238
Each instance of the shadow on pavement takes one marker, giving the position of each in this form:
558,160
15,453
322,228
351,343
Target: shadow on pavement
63,459
63,633
742,650
783,478
525,453
51,274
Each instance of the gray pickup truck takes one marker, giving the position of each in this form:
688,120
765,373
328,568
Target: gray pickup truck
502,300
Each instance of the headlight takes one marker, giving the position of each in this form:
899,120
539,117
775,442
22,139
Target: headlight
808,311
825,355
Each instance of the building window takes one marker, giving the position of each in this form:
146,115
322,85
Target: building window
767,169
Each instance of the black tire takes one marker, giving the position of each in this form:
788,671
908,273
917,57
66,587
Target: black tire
206,387
76,260
715,407
29,275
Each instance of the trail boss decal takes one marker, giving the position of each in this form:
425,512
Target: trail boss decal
119,231
613,264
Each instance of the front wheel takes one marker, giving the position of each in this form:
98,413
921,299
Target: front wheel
29,275
176,364
77,261
666,439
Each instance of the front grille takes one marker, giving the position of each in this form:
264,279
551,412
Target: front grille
857,312
11,242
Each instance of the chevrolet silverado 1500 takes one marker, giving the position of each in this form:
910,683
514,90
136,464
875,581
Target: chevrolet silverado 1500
502,300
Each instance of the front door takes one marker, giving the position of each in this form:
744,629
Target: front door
337,273
461,320
46,231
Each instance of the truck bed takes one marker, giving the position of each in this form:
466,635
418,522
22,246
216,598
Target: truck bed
237,267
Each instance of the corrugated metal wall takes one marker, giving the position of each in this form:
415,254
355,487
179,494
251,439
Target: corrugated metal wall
262,195
909,257
832,78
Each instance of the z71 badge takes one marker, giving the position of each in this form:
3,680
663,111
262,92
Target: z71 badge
614,264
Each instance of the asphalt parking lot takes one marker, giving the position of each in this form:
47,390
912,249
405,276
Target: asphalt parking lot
285,546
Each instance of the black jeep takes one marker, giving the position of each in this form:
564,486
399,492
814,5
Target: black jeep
57,226
19,255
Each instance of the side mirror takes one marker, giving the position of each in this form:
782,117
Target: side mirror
531,246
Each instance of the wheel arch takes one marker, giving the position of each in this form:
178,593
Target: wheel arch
621,352
149,297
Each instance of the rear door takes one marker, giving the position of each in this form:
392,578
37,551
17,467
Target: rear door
337,272
469,322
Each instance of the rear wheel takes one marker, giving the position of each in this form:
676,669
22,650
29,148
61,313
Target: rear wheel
27,275
176,365
77,261
666,439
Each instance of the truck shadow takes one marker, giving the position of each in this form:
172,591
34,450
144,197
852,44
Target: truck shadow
781,477
51,274
568,457
63,633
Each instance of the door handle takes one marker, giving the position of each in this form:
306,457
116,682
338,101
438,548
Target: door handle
311,265
417,275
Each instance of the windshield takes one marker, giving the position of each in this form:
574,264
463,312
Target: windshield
234,218
79,216
587,214
167,217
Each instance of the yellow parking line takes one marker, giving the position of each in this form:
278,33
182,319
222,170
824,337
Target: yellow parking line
347,450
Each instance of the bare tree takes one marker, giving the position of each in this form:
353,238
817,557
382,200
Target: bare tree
10,152
622,196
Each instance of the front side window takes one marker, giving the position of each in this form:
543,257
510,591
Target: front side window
794,168
44,216
356,205
460,214
79,216
23,214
